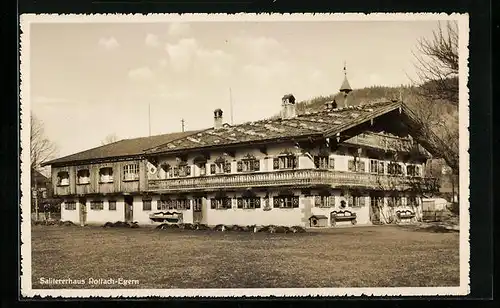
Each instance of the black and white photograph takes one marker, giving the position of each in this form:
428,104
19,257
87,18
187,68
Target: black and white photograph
213,155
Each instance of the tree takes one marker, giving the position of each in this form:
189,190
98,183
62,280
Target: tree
41,148
109,139
437,64
437,71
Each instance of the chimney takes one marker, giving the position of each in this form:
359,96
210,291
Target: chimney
288,107
217,118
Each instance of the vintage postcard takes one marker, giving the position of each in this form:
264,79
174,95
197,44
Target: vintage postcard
248,155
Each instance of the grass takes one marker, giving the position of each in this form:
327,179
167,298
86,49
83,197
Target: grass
378,256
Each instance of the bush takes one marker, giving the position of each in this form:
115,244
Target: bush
201,227
297,229
167,226
187,226
219,227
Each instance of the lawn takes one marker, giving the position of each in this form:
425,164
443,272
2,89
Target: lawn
375,256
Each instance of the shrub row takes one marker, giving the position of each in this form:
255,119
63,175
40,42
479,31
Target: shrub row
52,223
234,228
121,224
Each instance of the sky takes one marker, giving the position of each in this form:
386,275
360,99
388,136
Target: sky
90,80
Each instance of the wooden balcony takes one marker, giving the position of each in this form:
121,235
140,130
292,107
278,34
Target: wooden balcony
290,178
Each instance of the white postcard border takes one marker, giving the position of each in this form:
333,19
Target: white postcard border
25,276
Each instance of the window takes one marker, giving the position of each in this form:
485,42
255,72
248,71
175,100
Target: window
70,205
131,172
376,166
112,205
173,204
324,201
220,166
394,201
181,170
286,202
96,205
106,175
324,162
203,169
63,178
394,169
285,162
197,203
248,164
182,204
146,204
248,202
413,170
220,203
412,201
356,165
83,176
356,201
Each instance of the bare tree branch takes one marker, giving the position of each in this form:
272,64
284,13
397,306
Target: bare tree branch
41,148
109,139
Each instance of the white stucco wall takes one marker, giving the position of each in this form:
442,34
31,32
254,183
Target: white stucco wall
142,216
105,215
71,215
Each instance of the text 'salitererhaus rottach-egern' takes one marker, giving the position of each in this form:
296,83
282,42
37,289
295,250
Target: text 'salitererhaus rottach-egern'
342,165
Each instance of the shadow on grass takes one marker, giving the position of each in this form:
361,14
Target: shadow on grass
431,229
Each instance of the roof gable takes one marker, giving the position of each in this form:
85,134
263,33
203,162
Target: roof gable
320,123
120,149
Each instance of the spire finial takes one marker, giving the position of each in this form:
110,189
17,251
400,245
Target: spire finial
345,69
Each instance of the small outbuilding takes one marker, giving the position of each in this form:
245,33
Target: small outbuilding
318,221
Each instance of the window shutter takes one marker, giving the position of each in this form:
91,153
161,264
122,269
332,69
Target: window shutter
361,166
381,167
295,162
331,201
257,203
276,163
350,201
362,201
212,168
158,205
227,167
188,204
256,165
212,204
316,161
295,202
188,170
417,170
240,203
227,203
276,202
239,166
317,201
331,163
176,171
350,165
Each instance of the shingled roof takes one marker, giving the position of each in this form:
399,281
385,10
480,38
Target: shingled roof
120,149
304,125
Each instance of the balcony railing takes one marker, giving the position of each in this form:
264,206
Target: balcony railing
295,178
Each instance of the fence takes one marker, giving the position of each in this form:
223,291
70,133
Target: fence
436,215
45,216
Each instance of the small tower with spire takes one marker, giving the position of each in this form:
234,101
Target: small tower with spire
345,87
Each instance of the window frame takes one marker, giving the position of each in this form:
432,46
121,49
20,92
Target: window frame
131,169
286,202
60,178
110,175
67,206
110,202
79,177
96,205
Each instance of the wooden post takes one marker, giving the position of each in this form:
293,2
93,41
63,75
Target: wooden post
36,200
